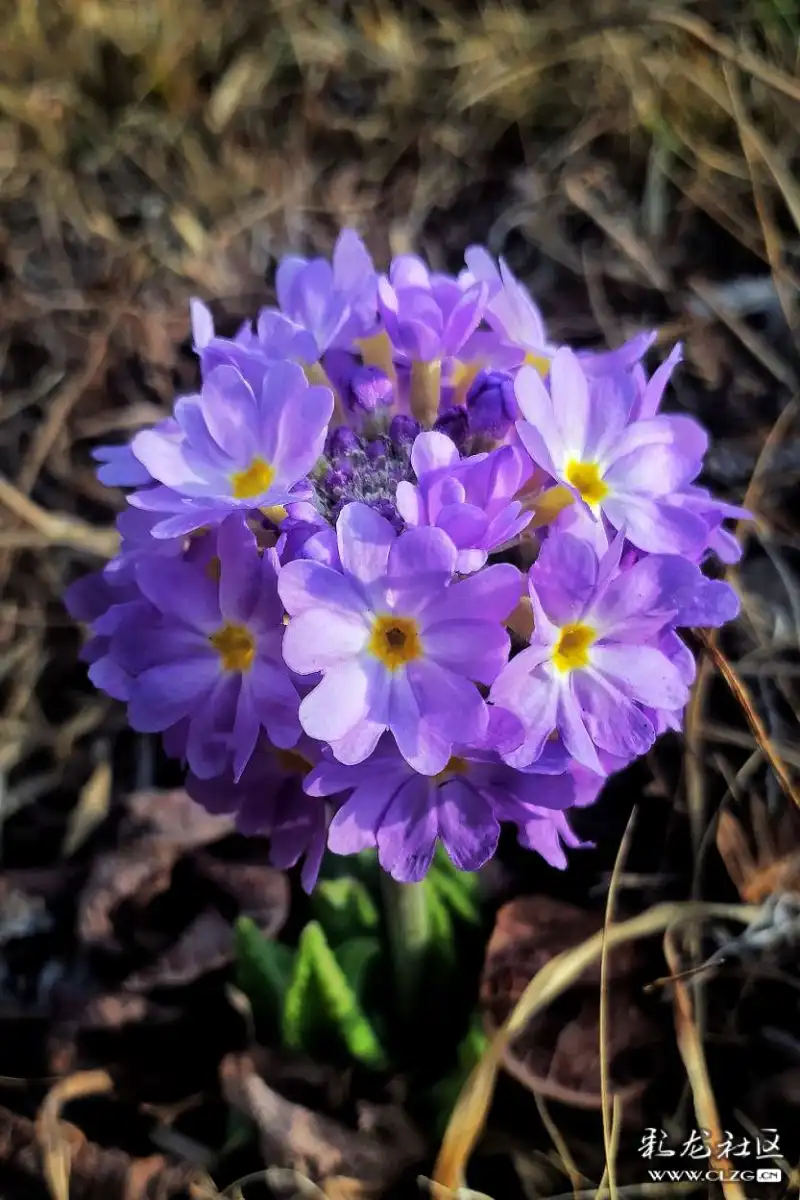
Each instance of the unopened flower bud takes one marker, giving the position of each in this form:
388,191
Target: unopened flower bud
369,389
491,404
403,429
341,442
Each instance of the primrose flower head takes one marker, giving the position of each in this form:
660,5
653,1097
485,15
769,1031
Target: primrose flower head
404,814
595,663
630,472
320,565
240,449
400,646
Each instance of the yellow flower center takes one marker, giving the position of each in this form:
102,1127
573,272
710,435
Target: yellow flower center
235,645
395,641
539,362
275,513
252,482
455,766
585,476
213,569
572,648
293,762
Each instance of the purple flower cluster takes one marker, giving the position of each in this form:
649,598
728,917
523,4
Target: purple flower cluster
320,566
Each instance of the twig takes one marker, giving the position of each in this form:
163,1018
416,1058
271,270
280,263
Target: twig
53,528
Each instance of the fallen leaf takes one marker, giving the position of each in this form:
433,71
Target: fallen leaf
318,1147
558,1053
204,946
94,1171
159,828
256,890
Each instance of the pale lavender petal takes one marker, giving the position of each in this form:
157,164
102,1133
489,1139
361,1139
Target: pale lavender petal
656,526
465,524
419,742
572,404
432,451
572,726
714,604
643,673
540,432
473,648
286,275
653,393
655,470
306,585
338,702
614,723
231,412
365,539
565,576
164,459
492,593
321,638
408,500
420,566
202,323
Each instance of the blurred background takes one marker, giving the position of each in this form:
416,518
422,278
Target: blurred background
636,164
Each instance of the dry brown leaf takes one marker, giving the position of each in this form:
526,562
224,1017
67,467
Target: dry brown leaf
318,1147
558,1054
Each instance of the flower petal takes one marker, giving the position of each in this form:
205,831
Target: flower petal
468,828
365,539
337,703
643,673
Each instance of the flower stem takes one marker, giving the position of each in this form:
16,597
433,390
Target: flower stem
408,924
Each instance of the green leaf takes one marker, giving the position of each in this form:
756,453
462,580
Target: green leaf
442,936
344,908
357,957
301,1008
321,985
263,969
457,895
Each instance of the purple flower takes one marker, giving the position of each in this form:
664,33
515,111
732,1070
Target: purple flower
491,404
428,317
119,465
718,540
594,666
519,322
269,800
332,304
471,499
241,449
404,814
627,472
108,607
209,654
398,644
510,309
